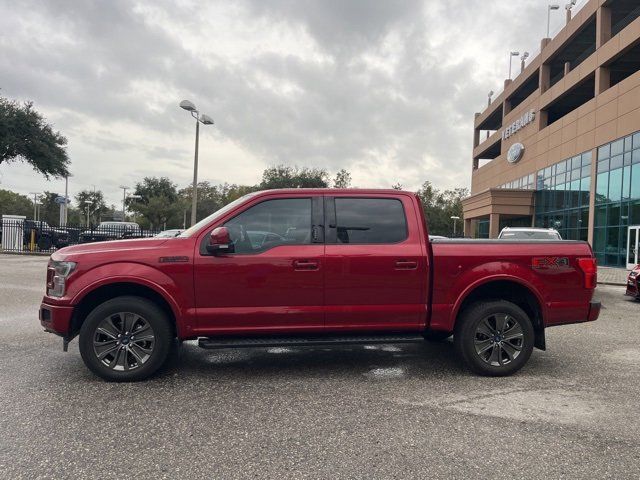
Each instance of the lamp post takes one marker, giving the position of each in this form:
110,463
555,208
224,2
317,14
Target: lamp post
489,95
553,6
568,8
455,220
511,55
124,197
66,198
89,203
206,120
35,203
523,58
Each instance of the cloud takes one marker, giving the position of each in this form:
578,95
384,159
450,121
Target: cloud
386,89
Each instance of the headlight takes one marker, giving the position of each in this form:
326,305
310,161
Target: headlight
57,274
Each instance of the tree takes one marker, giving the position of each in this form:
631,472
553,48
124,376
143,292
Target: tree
12,203
26,136
282,176
439,207
342,179
49,210
95,201
158,203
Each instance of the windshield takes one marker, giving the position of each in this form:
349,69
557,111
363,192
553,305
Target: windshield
218,213
531,235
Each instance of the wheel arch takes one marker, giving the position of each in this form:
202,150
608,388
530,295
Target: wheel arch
512,290
93,297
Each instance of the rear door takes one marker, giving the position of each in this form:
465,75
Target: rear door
375,266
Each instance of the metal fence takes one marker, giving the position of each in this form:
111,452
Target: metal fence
18,234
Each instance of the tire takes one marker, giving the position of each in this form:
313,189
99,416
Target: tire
436,336
485,347
108,343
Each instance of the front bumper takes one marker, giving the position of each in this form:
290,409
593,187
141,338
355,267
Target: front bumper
56,319
633,289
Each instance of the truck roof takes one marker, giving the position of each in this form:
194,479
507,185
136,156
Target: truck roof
364,191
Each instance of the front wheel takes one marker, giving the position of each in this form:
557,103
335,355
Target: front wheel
494,338
125,339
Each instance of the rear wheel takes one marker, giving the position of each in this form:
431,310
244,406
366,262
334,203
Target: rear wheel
494,338
125,339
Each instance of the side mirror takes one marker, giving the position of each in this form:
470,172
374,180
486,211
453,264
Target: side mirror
220,242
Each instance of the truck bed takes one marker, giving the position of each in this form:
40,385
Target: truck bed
461,265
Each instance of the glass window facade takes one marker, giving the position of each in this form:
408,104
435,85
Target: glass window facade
562,197
525,183
482,228
617,202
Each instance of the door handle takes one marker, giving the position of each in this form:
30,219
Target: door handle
406,265
305,265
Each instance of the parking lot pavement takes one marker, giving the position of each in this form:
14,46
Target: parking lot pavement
406,411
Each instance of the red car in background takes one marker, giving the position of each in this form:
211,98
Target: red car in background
633,283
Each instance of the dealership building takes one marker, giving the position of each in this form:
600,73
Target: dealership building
560,146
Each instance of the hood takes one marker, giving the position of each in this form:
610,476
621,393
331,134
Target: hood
111,246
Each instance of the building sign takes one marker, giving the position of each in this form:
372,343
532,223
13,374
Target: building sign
520,123
515,153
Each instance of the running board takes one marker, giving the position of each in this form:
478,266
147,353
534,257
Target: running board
276,341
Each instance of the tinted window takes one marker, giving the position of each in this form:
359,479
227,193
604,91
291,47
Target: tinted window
270,224
370,220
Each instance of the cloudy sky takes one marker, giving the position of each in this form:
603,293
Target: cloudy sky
384,88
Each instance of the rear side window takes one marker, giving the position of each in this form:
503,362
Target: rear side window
370,220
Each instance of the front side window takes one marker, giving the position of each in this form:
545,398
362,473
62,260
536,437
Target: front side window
370,220
270,224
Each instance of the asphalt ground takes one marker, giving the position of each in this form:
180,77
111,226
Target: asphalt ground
407,411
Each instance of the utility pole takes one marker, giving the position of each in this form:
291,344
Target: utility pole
35,203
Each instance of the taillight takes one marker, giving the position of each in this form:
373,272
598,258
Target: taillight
590,269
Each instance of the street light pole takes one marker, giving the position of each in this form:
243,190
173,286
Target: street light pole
206,120
66,198
523,59
89,203
194,193
455,219
511,55
35,203
124,197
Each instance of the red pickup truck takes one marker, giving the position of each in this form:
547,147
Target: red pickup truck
314,267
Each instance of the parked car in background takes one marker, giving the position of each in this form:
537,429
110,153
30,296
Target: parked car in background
633,283
315,267
527,233
111,231
44,235
169,233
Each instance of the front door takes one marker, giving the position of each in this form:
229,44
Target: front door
375,264
274,280
633,246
